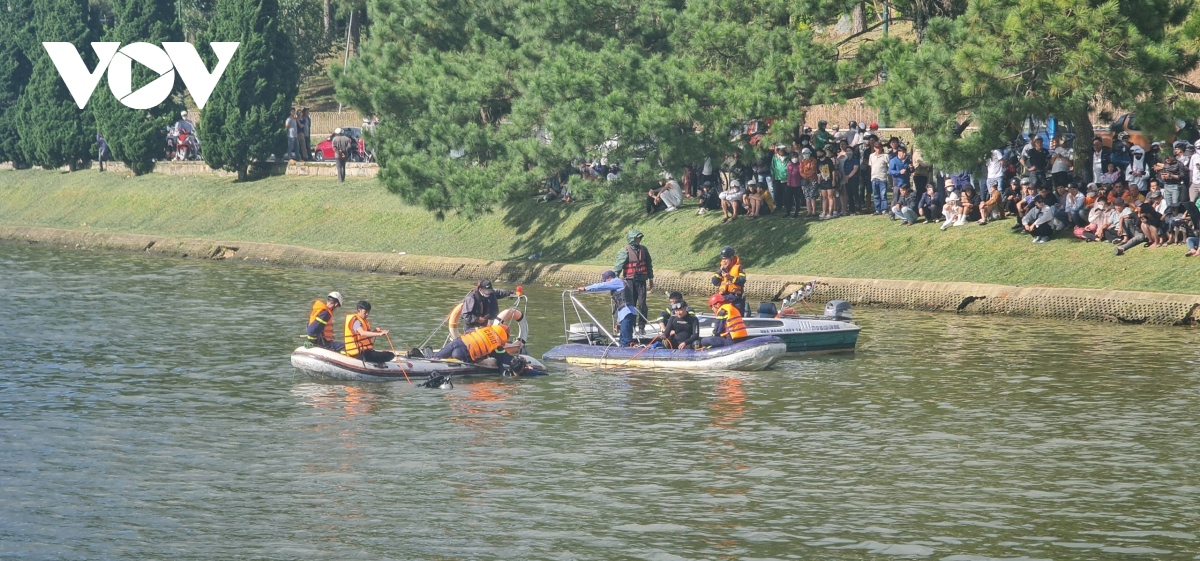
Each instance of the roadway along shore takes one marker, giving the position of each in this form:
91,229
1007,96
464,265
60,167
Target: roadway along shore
358,225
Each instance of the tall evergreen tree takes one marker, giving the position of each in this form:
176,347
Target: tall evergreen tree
53,130
16,36
243,120
137,137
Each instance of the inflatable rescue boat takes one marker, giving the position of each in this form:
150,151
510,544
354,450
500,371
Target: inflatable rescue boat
325,364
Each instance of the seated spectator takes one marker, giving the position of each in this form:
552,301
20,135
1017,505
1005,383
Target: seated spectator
1026,199
666,198
1151,223
930,205
951,210
1075,206
992,208
1111,176
1175,224
731,200
1130,230
709,197
905,205
969,206
1039,221
1101,221
756,200
1013,197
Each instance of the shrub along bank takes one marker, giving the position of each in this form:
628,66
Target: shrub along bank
360,215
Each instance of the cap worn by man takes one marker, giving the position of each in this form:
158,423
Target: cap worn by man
485,287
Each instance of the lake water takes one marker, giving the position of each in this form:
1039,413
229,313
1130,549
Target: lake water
149,411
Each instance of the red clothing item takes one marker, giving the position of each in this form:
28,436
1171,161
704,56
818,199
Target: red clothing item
808,169
793,174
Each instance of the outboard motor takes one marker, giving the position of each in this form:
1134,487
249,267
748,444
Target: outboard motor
767,310
585,333
838,309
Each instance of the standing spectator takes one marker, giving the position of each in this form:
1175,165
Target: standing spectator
1035,158
995,173
1137,174
779,175
634,264
706,172
825,186
931,203
689,181
304,128
1171,173
808,181
1194,173
878,162
822,136
292,124
900,170
341,151
921,170
1061,163
1101,157
792,194
102,152
849,178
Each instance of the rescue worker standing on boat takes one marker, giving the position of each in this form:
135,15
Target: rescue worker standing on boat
480,305
621,292
359,336
634,264
486,341
730,279
320,323
730,327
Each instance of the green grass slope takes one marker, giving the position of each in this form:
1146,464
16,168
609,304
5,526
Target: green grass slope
360,215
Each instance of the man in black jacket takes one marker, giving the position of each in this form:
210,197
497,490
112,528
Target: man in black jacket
480,306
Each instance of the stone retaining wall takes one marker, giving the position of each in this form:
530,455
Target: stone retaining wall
956,297
311,169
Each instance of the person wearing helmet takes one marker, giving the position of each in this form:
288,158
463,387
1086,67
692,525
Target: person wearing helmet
821,137
320,323
730,327
341,151
480,305
621,292
681,329
730,279
634,263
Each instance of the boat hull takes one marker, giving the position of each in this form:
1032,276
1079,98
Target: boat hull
749,355
801,335
324,364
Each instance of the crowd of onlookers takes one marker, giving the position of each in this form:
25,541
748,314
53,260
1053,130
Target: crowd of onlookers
1126,194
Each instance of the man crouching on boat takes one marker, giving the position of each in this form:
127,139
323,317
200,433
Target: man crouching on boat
485,341
359,337
730,327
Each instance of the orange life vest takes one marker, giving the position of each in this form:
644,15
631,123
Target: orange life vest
484,340
735,326
356,343
318,307
727,285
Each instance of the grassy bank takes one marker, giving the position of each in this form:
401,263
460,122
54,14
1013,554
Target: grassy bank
360,215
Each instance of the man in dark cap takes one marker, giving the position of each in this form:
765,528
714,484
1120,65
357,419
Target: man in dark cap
480,305
621,292
634,264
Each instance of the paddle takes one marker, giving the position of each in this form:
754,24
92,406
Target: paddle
395,356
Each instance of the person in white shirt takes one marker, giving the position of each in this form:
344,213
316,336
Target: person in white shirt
995,173
878,163
1074,205
1194,170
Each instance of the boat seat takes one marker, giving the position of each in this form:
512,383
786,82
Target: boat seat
767,310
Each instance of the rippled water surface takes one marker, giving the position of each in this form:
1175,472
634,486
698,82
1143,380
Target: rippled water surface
148,411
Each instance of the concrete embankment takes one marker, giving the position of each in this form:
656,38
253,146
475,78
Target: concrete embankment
958,297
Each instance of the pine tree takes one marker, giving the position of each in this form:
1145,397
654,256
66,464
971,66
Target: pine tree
16,35
138,137
243,120
53,130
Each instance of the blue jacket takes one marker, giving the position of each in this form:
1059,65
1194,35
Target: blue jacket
612,287
900,169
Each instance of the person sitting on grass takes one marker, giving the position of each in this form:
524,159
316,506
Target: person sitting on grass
1131,231
1175,225
731,199
756,200
930,204
951,209
905,203
969,203
1075,205
710,198
666,198
992,208
1038,221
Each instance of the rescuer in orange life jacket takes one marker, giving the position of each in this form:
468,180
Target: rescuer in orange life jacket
634,265
359,336
730,279
730,327
484,342
320,323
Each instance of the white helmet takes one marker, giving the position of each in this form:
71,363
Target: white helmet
183,114
336,296
337,131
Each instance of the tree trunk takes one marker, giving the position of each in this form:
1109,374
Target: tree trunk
1083,144
328,18
241,171
356,31
859,18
